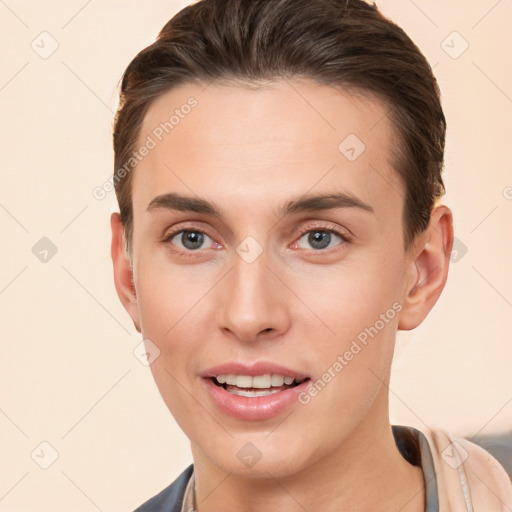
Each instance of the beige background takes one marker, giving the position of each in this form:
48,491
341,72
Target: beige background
68,373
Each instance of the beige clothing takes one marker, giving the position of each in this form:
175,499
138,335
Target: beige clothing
468,478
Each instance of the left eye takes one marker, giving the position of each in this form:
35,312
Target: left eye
320,238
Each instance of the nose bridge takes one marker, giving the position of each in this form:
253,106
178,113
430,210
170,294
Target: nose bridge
252,301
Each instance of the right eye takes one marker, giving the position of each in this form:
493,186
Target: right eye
187,240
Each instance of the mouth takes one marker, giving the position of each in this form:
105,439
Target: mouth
253,391
257,385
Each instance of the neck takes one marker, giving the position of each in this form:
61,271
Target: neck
366,473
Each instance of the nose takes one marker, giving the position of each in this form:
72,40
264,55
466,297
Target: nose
253,305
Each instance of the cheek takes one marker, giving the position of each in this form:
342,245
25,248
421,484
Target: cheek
174,315
350,296
166,320
360,305
167,307
165,295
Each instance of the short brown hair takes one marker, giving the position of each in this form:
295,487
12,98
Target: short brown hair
340,43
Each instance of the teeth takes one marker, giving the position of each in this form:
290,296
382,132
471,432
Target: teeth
259,381
242,381
277,380
230,379
244,392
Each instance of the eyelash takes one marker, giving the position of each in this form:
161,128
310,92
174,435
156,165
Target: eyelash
190,253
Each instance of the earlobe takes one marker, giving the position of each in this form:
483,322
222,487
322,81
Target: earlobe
123,274
430,260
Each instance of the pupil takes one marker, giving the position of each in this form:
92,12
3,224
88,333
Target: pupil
319,239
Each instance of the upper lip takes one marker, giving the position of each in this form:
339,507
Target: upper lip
252,369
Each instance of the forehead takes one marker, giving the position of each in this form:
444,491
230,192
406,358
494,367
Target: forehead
283,138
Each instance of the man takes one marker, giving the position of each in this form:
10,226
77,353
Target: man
278,171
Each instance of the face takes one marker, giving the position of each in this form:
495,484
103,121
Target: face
268,241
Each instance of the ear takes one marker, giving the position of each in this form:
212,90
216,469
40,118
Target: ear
123,274
429,259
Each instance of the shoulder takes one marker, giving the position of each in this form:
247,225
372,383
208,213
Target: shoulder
169,499
467,476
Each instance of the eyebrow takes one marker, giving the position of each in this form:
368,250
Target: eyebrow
305,203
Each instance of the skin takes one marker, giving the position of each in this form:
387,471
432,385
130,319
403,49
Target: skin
249,151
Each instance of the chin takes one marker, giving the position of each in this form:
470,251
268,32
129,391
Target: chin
256,456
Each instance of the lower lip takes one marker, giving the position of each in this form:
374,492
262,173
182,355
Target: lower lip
254,408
